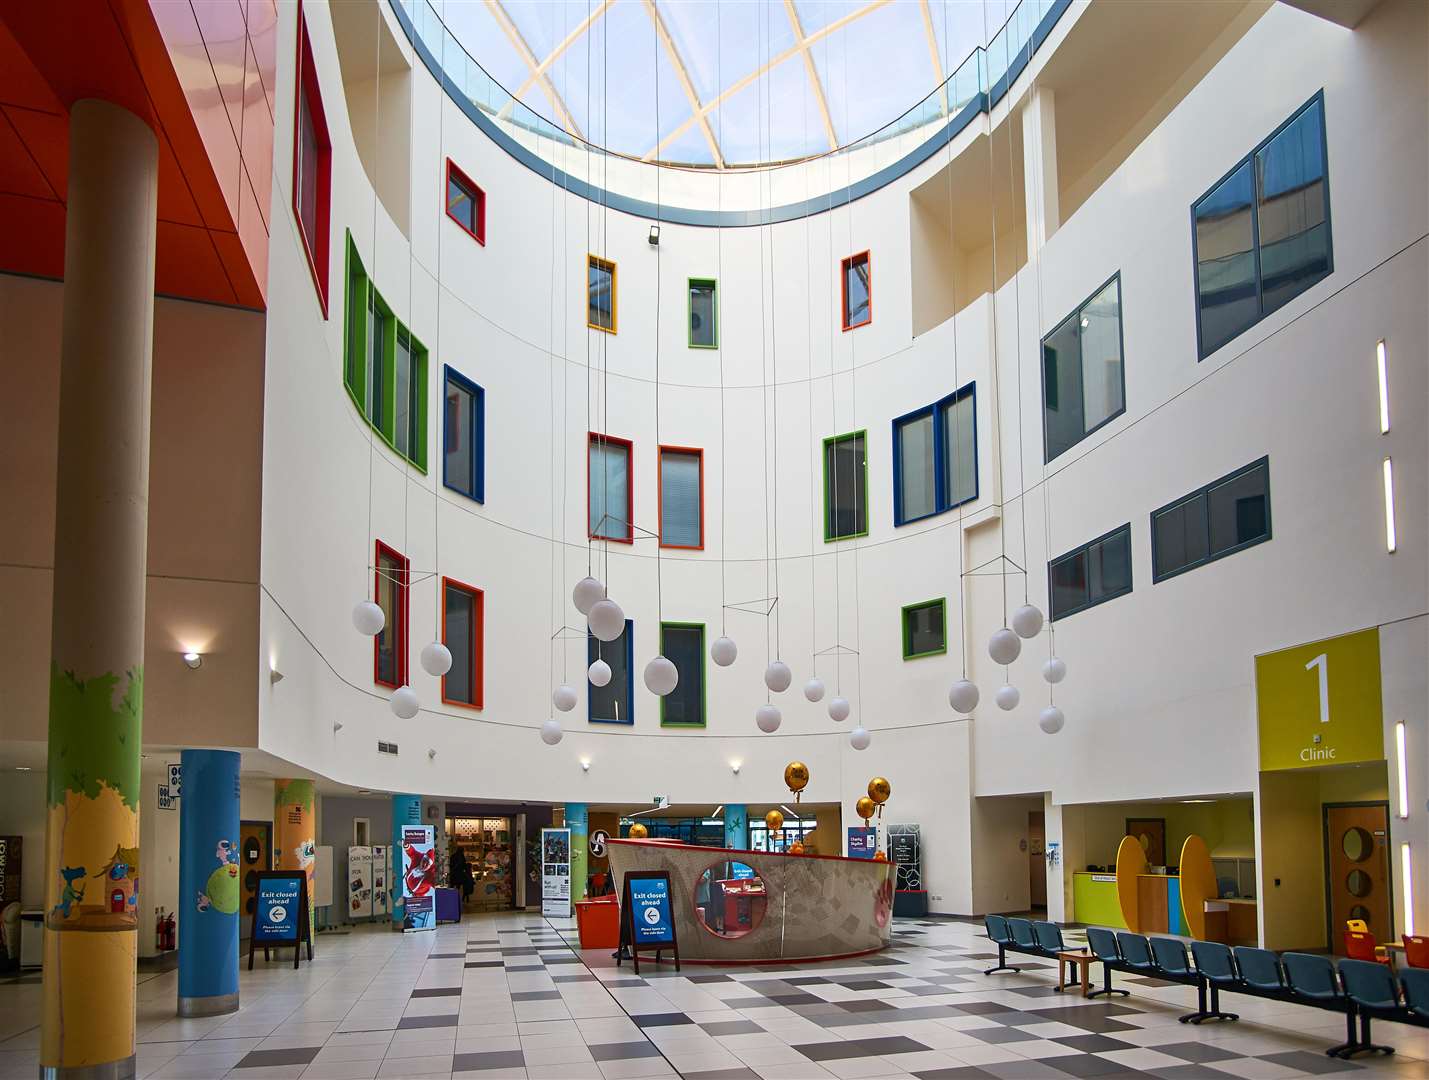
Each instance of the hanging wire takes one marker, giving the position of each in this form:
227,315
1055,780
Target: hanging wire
761,134
719,334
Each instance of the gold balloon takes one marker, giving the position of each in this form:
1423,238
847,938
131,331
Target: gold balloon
796,848
774,821
638,831
879,790
879,856
865,807
796,775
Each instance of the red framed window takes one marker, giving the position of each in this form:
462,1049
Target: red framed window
682,497
463,633
610,498
466,203
856,283
392,589
312,165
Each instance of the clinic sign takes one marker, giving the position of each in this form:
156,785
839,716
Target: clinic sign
1321,703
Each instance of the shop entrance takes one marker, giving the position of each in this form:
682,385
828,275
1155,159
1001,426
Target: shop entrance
1356,855
255,853
487,846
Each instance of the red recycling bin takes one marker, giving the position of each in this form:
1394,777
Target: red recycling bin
598,922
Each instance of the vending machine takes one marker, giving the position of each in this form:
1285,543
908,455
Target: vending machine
360,883
381,882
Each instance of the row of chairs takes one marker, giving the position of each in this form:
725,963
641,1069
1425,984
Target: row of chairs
1362,990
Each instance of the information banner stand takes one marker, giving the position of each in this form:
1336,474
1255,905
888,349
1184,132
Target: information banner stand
280,914
556,887
646,919
419,878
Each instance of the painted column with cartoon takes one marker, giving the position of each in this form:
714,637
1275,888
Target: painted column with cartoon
295,831
101,521
406,810
209,885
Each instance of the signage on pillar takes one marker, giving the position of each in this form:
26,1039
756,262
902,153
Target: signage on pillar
597,843
166,800
556,873
862,842
176,780
419,878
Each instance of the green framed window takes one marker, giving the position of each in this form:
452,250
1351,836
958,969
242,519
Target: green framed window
846,486
925,629
683,644
704,314
384,366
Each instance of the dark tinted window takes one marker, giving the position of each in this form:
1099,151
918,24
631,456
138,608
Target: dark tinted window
702,314
611,703
1221,518
461,203
845,487
924,629
459,635
1082,380
463,415
1240,510
1225,260
684,646
858,291
600,301
1091,574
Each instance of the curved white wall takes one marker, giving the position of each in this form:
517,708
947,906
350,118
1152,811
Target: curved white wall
1160,697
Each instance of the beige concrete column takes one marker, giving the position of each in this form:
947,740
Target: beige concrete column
94,898
1039,167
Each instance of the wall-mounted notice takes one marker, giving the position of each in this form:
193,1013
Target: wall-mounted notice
556,873
862,842
419,878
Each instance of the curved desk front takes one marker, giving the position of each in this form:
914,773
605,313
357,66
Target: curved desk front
808,907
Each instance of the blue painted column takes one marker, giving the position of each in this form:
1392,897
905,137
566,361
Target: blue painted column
210,888
578,821
736,827
406,810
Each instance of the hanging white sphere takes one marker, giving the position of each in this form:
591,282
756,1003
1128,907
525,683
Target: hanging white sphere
564,698
777,676
368,618
963,696
436,658
768,718
661,676
859,738
838,709
1004,646
404,703
1051,720
814,689
1055,669
587,591
1007,698
723,651
551,732
599,673
1027,621
607,621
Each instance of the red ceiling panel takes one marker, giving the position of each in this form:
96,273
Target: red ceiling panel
19,174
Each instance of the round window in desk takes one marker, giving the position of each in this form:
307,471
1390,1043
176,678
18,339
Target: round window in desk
730,899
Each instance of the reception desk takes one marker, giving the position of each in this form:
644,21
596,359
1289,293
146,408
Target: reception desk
733,907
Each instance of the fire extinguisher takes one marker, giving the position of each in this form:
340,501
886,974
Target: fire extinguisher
159,929
171,933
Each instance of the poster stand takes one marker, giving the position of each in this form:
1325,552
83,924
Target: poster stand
275,922
646,917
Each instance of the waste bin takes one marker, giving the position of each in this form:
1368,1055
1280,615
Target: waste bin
598,923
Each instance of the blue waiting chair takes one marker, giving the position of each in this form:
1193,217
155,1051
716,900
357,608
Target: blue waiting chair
1136,953
999,934
1049,938
1023,936
1104,948
1175,964
1260,970
1314,978
1415,983
1370,987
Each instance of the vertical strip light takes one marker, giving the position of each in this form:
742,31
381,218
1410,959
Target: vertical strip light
1382,361
1399,747
1390,541
1406,869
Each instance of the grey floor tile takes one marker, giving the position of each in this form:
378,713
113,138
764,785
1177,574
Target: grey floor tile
496,1059
295,1055
623,1051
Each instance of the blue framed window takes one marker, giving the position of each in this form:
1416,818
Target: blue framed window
1224,517
464,435
935,457
1083,379
613,703
1091,574
1261,234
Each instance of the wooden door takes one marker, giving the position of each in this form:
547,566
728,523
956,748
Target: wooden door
1357,843
1037,857
255,853
1151,832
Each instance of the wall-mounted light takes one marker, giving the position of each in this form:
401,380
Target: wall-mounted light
734,767
193,660
585,764
1406,869
336,726
431,753
654,235
1382,362
1399,748
1390,541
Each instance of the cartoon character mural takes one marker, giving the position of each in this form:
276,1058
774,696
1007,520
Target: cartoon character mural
71,895
221,890
118,902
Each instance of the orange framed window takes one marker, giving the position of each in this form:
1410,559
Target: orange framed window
463,633
466,203
610,497
856,283
600,294
312,166
682,497
392,591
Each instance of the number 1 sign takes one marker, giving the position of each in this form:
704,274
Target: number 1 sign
1310,717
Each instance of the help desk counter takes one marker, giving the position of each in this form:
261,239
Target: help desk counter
735,907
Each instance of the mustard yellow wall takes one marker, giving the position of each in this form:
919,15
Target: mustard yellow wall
1227,826
1292,851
